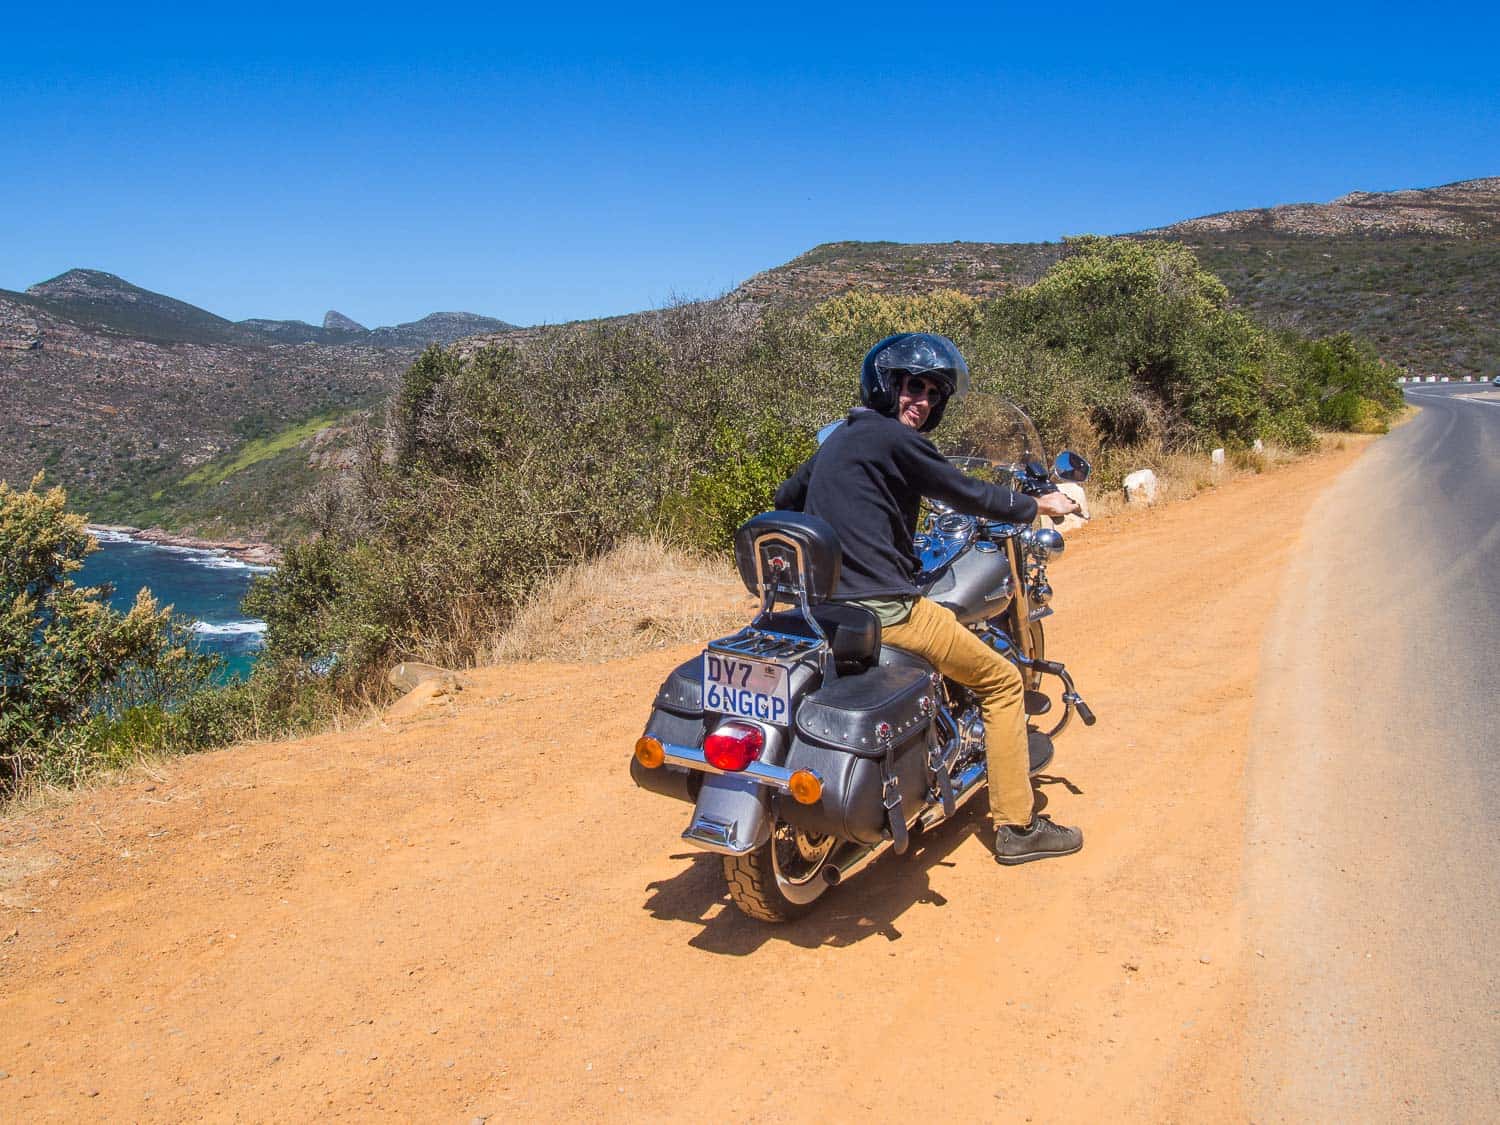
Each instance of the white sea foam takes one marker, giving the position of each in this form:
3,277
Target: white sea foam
213,557
228,628
217,560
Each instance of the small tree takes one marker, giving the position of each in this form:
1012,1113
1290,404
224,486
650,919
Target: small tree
75,675
1147,334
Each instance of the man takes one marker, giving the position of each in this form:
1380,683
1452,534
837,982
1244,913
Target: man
867,480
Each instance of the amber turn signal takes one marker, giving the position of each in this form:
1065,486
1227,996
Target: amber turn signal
805,787
649,752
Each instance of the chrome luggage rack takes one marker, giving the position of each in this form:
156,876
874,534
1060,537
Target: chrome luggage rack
766,644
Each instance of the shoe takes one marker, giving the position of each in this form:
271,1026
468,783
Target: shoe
1041,839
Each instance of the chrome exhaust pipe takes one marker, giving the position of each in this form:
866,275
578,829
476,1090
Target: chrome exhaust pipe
851,860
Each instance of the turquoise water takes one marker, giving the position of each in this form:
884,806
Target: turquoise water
202,585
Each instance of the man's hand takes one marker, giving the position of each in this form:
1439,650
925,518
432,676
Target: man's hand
1057,504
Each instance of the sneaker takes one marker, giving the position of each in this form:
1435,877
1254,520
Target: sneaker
1041,839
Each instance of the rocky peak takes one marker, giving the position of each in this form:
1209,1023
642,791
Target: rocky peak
439,328
337,322
1467,209
102,300
89,285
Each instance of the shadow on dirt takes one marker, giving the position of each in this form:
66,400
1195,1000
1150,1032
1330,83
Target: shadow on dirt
866,907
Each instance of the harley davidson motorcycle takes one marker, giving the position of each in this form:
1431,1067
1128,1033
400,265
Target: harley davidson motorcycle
807,748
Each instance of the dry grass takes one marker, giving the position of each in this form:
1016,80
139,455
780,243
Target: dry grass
642,595
1182,475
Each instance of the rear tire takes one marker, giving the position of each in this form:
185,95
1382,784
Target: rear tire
781,879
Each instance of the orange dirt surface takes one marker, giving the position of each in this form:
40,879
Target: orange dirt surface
474,913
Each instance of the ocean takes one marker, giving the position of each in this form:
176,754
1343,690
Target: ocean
203,585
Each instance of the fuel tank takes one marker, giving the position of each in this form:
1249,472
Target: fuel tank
976,585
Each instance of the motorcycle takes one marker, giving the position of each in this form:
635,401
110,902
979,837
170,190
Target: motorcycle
809,749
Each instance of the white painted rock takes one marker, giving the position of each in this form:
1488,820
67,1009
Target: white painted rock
1073,491
1259,446
1140,487
1217,456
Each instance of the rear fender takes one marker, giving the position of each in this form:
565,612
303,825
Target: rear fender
732,816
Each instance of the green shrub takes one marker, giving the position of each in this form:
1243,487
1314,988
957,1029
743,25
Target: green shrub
1350,387
748,465
82,686
497,469
1144,335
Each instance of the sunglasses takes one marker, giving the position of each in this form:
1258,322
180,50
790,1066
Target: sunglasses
918,387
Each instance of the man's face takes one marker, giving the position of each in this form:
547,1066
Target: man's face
918,396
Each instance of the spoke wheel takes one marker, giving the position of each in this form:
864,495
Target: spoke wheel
781,879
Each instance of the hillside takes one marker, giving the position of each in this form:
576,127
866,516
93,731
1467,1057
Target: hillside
1416,271
133,400
144,405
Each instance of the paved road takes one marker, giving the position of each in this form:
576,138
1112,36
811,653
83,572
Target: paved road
1372,848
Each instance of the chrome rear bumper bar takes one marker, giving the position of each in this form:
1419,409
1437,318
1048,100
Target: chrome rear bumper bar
692,758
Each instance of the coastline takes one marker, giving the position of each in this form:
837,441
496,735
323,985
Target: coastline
253,554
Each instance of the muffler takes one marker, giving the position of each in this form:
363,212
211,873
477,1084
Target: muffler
851,859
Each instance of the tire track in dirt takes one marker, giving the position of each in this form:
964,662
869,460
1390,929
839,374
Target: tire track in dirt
475,914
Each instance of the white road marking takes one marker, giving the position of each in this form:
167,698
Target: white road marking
1458,398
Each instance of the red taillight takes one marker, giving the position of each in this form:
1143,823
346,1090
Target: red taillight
733,746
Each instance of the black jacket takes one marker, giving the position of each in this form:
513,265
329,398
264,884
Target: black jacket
868,480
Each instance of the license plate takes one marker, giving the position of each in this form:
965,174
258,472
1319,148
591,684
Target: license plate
746,689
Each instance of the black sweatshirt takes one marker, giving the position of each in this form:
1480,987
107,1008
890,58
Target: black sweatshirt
868,480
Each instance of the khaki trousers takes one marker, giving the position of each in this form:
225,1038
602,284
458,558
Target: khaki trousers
934,634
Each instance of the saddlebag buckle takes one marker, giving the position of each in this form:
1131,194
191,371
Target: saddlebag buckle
890,789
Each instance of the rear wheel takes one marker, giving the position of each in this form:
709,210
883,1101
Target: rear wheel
782,878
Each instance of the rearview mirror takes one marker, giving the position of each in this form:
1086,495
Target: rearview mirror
1070,466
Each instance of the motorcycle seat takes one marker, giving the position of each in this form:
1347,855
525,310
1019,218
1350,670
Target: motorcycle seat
853,632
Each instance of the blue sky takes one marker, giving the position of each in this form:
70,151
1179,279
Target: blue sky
555,162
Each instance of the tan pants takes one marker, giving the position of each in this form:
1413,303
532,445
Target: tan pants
934,634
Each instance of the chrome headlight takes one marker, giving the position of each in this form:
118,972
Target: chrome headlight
1044,542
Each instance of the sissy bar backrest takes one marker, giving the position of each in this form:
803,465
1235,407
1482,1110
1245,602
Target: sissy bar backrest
791,557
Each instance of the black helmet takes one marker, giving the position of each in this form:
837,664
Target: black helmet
912,353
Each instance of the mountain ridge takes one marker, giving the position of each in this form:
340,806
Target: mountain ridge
125,421
1416,271
106,301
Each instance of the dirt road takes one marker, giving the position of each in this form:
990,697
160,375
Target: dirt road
475,914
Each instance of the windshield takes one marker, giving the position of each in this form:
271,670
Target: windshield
986,432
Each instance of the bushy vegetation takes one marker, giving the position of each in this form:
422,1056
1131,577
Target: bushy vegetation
491,473
1348,386
81,685
496,470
